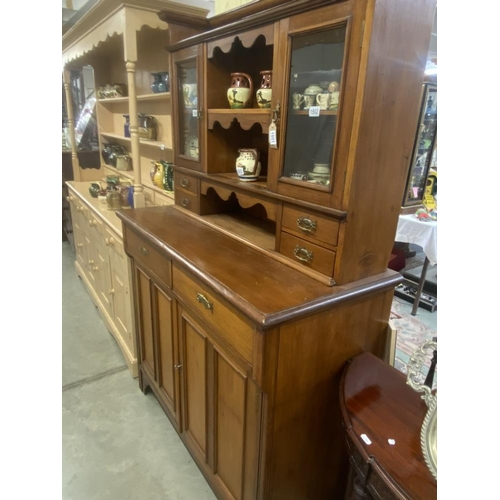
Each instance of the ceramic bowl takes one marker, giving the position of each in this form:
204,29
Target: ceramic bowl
321,168
319,177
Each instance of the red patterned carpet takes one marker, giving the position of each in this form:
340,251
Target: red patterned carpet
412,332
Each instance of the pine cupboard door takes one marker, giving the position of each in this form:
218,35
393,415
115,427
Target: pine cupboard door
120,290
144,313
79,237
91,263
187,105
221,411
166,348
102,271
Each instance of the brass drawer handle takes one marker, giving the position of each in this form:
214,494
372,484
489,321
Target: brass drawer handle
206,303
178,367
303,254
184,182
306,224
144,251
185,202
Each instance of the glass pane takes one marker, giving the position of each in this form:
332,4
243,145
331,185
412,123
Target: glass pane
188,106
424,146
313,103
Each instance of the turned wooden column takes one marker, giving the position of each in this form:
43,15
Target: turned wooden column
71,125
134,136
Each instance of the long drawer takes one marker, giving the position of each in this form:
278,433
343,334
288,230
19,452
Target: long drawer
144,253
215,311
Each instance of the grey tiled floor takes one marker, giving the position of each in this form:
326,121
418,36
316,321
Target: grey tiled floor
117,443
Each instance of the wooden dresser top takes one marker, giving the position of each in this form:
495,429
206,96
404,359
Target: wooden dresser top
264,289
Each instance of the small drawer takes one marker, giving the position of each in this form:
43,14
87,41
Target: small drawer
215,312
310,225
304,252
186,182
144,253
113,242
188,201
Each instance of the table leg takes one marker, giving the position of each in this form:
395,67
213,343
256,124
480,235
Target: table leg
420,287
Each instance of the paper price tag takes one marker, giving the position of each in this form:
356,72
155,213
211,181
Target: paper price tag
314,111
195,113
273,135
240,170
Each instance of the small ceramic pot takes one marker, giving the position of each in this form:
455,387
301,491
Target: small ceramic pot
313,89
248,166
94,189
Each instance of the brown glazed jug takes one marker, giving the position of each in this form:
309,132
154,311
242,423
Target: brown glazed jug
265,93
240,93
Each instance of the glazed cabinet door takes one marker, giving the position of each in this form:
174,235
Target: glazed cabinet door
221,411
188,114
316,114
424,148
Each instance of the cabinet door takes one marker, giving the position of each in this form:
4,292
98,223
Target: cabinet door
79,236
122,314
221,410
316,117
144,322
168,366
188,107
102,272
193,344
90,255
235,427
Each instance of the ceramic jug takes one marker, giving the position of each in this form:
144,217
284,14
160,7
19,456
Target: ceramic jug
240,93
248,165
113,199
168,176
126,126
264,94
147,127
157,173
123,162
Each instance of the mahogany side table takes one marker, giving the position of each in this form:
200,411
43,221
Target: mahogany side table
382,419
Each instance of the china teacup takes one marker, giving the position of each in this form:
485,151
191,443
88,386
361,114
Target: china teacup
323,100
309,100
334,100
